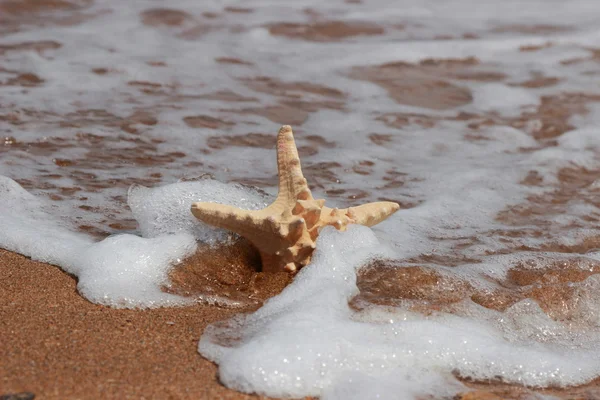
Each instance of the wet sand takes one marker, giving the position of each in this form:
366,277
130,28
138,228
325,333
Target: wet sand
57,345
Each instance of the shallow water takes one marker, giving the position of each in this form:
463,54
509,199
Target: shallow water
482,122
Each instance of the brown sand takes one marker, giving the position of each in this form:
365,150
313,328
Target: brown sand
240,285
58,345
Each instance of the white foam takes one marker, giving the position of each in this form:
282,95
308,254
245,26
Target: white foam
504,99
307,340
128,271
581,139
123,270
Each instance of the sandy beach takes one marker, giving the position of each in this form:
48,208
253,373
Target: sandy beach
57,345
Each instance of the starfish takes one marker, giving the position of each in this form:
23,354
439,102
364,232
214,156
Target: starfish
285,232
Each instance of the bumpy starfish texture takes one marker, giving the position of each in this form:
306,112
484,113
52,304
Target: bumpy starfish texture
286,231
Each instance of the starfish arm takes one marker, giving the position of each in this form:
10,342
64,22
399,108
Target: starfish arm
372,213
265,231
242,222
292,184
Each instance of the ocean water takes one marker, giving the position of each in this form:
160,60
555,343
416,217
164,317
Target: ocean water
481,120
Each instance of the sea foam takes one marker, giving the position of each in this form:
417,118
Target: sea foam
308,341
124,270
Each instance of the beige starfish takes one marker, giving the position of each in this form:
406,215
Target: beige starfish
286,231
